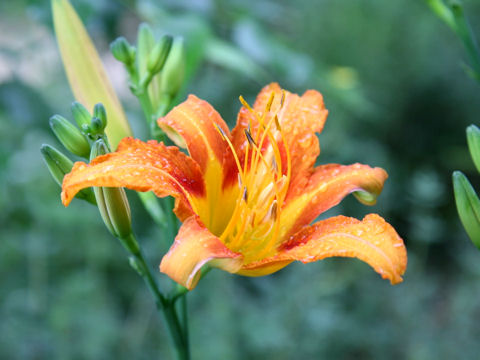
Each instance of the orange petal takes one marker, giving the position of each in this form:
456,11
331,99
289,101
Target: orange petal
299,117
139,166
194,247
371,240
325,188
192,125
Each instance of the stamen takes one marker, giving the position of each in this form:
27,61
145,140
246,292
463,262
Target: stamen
277,123
245,194
234,153
270,101
282,100
273,211
265,194
249,138
244,103
221,131
274,165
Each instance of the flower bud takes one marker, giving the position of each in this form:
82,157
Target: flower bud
173,72
468,206
99,112
70,136
113,205
96,126
145,43
159,54
123,51
473,140
81,115
58,165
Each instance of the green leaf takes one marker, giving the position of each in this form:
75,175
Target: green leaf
468,206
86,74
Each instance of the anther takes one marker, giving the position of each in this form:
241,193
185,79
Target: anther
277,123
273,210
221,131
250,138
270,101
282,100
245,194
274,165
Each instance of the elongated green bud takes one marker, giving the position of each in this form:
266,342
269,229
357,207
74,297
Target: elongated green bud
70,136
468,206
473,140
145,44
114,208
173,72
81,115
123,51
159,54
100,113
59,165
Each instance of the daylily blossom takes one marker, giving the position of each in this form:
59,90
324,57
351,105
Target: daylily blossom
246,197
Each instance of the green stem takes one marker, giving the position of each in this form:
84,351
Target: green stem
146,105
178,334
184,313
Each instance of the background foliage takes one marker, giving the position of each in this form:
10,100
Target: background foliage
398,98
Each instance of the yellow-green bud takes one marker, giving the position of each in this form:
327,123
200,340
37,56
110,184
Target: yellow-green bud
70,137
468,206
58,165
159,54
114,208
173,72
473,140
123,51
81,115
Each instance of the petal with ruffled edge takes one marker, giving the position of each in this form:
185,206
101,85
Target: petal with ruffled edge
325,188
300,118
140,166
371,240
194,247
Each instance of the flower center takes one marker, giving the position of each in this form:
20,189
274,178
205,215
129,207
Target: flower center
263,181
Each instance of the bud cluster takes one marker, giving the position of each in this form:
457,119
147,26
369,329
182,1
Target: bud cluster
77,140
88,140
156,68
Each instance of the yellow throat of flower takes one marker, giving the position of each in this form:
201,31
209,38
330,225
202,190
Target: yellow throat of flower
254,224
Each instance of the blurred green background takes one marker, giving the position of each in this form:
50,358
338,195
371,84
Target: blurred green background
392,79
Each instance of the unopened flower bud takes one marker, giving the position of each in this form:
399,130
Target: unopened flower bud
173,72
473,140
69,135
123,51
99,112
96,126
159,54
58,165
114,208
81,115
468,206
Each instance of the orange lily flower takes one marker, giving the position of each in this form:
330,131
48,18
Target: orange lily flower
247,197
